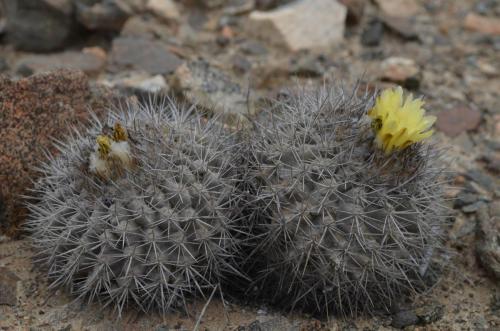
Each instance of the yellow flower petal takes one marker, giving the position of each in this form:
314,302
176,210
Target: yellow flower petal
399,122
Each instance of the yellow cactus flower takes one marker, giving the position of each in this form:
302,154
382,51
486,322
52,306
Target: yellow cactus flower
399,122
103,146
119,133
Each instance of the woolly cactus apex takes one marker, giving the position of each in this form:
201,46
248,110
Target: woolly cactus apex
140,209
343,227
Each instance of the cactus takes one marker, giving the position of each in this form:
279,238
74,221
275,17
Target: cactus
346,222
142,208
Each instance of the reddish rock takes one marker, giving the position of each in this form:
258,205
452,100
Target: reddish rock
32,111
486,25
455,121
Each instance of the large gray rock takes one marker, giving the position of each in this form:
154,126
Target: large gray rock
39,25
304,24
141,54
214,90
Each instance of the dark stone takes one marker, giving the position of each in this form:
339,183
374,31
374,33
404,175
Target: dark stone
270,4
307,65
41,25
464,198
484,180
355,10
488,238
3,65
66,328
8,287
404,318
103,15
429,313
419,316
372,33
495,301
252,47
472,208
240,64
138,53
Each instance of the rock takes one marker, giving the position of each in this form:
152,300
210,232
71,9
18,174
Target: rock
252,47
492,162
481,178
278,323
240,7
423,315
472,208
3,65
372,33
429,313
145,27
495,300
39,26
138,83
270,4
355,10
211,4
404,318
109,15
488,238
304,24
463,226
464,198
88,62
399,8
9,284
482,24
402,26
136,53
48,104
457,120
240,64
400,70
3,218
307,65
210,88
165,9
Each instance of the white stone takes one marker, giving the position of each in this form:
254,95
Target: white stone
138,82
304,24
166,9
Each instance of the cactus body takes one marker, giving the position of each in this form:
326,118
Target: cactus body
147,216
341,226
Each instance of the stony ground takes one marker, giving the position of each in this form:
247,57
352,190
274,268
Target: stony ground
227,56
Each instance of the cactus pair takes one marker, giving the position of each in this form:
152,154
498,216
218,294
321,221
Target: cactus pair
317,205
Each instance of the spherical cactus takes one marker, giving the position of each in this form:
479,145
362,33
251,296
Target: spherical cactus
348,209
142,208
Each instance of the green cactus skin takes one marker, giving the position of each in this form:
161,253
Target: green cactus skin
159,233
341,228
